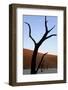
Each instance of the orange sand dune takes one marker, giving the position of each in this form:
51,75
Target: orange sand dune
49,61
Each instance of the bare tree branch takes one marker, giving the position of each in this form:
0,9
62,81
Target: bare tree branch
41,61
30,32
46,25
51,28
51,36
45,36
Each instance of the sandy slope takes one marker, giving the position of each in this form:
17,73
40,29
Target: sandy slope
49,61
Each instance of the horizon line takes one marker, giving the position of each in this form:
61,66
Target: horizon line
42,52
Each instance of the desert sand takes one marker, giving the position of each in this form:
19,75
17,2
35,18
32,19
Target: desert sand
49,61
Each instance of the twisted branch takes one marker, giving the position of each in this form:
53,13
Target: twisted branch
30,32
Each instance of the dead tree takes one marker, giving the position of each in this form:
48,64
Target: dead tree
37,45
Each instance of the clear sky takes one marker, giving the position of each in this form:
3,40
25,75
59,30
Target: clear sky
37,30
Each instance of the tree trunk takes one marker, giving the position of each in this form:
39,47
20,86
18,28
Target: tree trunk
33,61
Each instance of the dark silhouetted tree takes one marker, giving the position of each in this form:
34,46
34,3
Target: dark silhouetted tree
45,36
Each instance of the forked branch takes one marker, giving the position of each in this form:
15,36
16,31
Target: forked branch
45,36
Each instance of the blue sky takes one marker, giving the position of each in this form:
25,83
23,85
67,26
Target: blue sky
37,31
